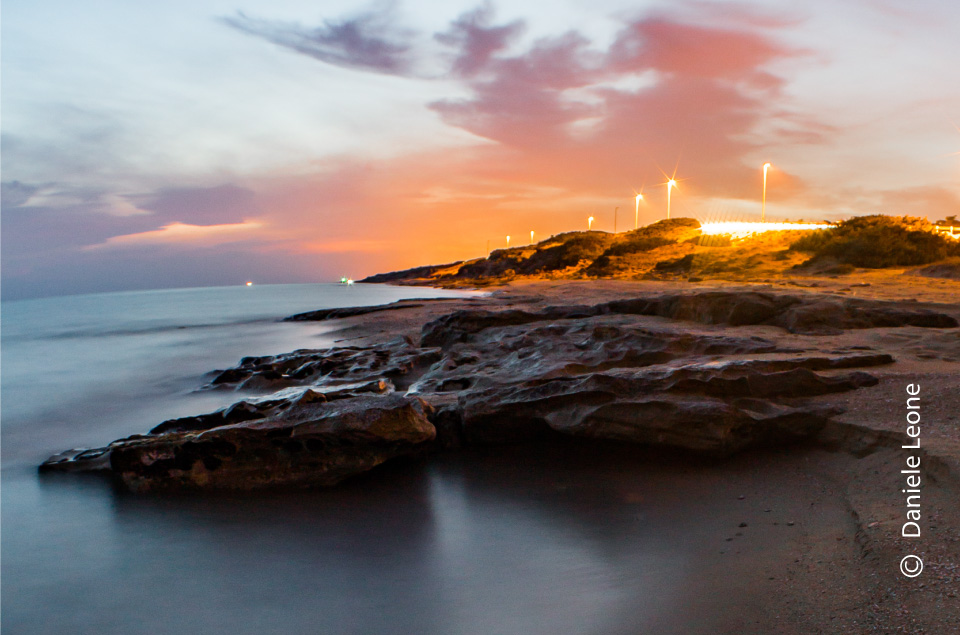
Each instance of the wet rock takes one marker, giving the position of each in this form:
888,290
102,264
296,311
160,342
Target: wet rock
504,355
797,314
834,315
459,325
700,409
391,360
264,406
345,312
78,460
301,443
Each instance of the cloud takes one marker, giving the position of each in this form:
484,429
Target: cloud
519,101
220,204
600,121
14,193
183,234
669,46
476,40
368,41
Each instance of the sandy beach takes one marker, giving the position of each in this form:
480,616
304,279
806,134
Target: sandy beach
821,547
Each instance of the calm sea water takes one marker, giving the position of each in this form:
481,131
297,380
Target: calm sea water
510,540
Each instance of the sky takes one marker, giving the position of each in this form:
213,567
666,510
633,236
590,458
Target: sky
178,144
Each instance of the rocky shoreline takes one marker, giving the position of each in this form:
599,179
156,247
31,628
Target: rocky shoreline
633,370
795,391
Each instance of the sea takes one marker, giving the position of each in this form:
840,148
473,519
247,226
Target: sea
502,540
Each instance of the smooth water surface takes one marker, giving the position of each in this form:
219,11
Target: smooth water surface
549,540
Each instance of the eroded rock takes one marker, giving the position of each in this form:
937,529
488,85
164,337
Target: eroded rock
603,371
393,360
305,442
711,408
797,314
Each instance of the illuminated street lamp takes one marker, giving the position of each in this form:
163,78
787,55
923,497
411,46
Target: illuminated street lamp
670,184
508,241
636,213
531,236
763,207
589,223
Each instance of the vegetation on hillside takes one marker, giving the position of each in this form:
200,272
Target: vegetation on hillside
660,234
675,248
573,248
878,241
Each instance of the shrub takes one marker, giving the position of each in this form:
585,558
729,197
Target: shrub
878,241
574,248
679,265
659,234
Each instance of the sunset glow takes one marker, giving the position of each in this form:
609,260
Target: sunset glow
295,143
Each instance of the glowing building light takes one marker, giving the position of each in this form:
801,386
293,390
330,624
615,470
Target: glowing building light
744,229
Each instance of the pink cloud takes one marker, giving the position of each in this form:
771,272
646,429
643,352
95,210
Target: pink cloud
183,234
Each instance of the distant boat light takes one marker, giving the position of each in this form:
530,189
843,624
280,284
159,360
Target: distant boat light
249,284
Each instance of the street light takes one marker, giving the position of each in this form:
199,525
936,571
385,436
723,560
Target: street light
508,241
589,223
636,213
670,184
531,236
763,207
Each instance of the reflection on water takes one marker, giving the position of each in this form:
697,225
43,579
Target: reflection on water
512,540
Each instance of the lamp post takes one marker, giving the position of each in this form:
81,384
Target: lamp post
670,184
589,223
763,206
636,213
